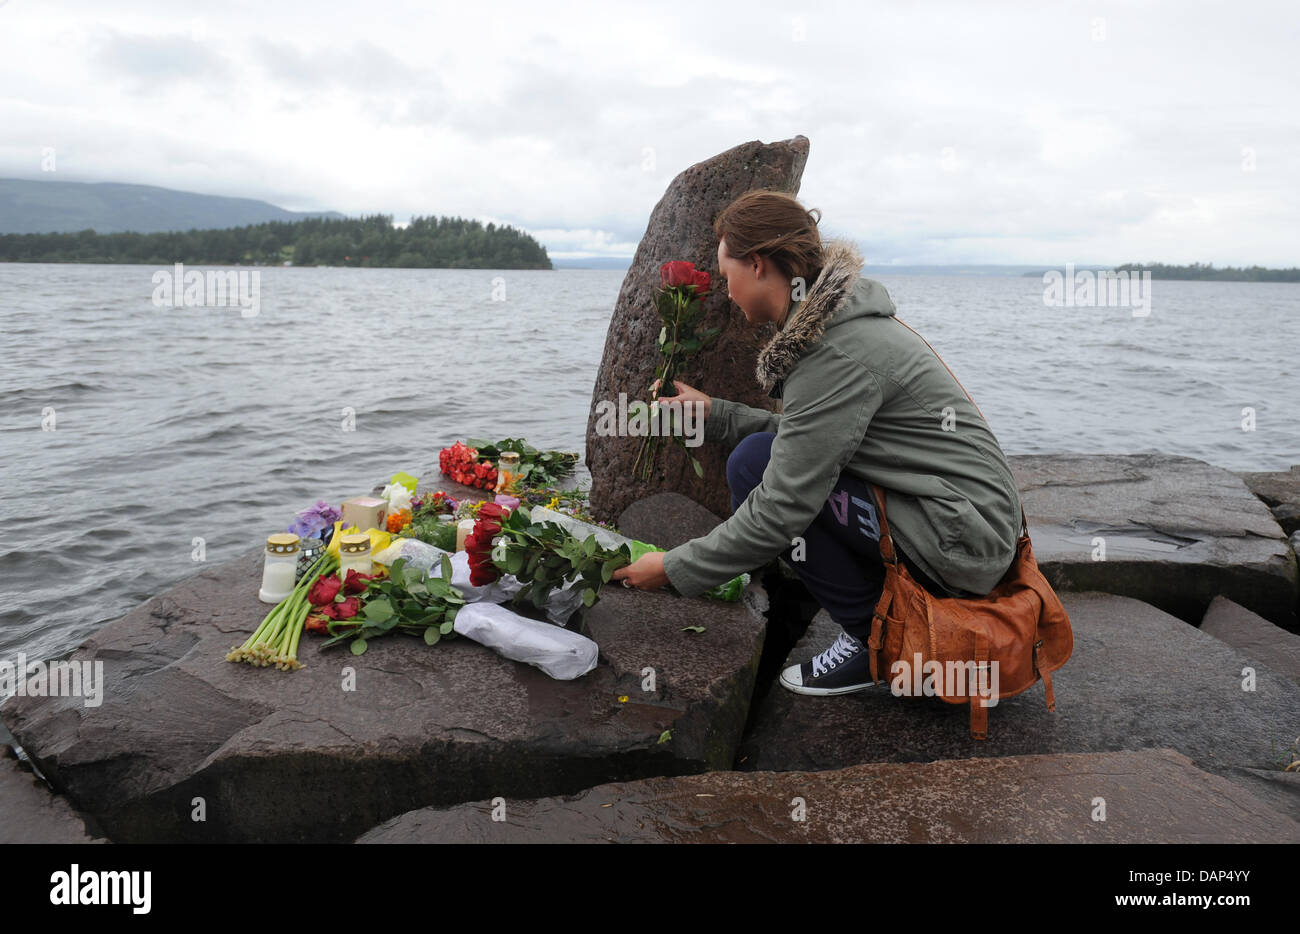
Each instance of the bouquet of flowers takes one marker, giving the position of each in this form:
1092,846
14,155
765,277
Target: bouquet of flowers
472,462
679,305
542,556
461,463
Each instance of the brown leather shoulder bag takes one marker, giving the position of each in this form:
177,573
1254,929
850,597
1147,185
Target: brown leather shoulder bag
969,650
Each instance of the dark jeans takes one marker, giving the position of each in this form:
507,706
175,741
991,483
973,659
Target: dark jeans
840,560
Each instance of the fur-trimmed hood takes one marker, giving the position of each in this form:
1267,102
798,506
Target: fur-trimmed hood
838,284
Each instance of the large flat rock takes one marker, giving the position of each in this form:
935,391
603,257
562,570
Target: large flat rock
293,756
1150,796
1254,636
1138,678
1177,532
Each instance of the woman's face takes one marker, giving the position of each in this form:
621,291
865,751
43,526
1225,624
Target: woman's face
756,286
742,284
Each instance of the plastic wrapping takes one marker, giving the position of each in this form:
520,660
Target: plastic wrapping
560,653
418,554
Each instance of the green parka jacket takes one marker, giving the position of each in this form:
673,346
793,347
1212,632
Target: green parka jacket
861,392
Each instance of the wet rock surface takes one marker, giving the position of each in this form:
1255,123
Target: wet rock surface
1280,491
1253,636
1150,796
1177,532
1139,678
297,756
30,812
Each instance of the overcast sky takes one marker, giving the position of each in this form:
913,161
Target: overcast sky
940,132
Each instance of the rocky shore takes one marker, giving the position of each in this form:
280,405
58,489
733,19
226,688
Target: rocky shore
1177,717
1199,585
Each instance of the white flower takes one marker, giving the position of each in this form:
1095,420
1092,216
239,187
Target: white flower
398,496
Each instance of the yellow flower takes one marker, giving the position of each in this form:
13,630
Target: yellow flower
622,698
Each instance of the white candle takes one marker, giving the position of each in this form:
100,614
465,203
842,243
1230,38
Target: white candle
463,529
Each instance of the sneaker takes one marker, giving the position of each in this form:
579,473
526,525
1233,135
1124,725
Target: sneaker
842,669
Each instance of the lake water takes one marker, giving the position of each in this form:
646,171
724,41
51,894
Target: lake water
171,424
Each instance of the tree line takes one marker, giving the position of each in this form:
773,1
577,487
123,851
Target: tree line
427,242
1207,271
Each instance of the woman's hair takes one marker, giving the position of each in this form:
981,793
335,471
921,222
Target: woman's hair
775,225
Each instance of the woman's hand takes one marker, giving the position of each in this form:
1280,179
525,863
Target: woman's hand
687,394
645,573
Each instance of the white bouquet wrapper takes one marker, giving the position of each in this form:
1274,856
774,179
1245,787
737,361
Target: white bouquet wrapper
503,588
560,653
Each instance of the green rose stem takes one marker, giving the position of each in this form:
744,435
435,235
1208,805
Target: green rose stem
280,623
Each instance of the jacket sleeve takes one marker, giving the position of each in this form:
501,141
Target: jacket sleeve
829,401
729,421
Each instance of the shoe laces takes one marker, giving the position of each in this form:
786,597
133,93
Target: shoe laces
841,650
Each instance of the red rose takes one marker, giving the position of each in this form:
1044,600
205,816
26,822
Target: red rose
492,511
348,608
701,282
478,547
355,582
317,623
324,590
676,273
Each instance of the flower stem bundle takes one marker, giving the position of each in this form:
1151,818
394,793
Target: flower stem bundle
275,642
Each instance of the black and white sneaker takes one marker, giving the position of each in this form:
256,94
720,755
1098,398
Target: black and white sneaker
842,669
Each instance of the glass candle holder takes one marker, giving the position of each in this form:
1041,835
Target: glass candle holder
309,552
354,555
508,472
279,568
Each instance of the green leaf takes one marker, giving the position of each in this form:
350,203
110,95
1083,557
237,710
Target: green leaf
446,627
514,561
665,736
358,646
588,597
445,565
395,569
699,471
589,545
378,610
608,568
431,635
692,629
663,335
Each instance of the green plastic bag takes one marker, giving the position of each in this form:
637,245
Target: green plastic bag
728,592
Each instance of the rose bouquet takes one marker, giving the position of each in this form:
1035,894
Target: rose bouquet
679,304
543,556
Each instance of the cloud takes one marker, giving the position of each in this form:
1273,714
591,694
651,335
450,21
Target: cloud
947,133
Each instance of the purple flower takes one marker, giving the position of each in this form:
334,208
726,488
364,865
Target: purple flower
509,502
315,519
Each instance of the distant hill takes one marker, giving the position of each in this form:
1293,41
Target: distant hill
108,207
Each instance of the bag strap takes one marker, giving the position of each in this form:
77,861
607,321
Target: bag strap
1024,522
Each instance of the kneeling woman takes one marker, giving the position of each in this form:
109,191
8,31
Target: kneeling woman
864,401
